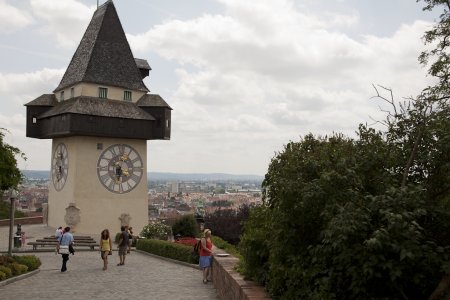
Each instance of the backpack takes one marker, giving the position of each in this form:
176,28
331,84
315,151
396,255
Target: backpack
198,246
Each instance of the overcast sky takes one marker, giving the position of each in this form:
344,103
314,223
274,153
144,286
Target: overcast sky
243,77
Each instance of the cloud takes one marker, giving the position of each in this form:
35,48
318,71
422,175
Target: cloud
66,20
36,151
276,70
20,88
12,18
249,79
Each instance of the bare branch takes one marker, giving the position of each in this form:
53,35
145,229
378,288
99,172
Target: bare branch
390,101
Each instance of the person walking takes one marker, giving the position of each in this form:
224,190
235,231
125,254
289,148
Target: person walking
123,245
206,255
130,239
58,232
105,247
66,239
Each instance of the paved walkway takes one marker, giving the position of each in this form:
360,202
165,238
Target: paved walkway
142,276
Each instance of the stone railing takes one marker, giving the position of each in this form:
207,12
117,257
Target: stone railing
22,221
230,284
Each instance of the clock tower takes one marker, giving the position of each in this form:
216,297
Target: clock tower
99,119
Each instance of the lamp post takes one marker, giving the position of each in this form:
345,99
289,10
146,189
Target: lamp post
12,197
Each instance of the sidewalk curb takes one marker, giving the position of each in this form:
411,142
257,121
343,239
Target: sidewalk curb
170,260
17,278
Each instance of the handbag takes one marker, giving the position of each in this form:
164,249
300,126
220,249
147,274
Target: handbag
110,253
71,249
63,249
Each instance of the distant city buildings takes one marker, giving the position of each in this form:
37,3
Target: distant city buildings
167,200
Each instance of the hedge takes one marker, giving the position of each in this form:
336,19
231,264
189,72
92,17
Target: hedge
224,245
168,249
16,265
31,261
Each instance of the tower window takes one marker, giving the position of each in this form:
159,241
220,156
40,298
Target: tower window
34,120
72,92
61,96
102,92
127,95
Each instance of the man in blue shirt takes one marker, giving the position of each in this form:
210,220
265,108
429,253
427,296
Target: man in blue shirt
65,240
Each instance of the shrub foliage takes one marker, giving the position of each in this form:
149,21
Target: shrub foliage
31,261
337,224
185,226
158,231
227,223
16,265
168,249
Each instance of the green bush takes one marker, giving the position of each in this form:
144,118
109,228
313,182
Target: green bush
7,271
156,231
254,246
224,245
117,238
2,276
6,260
168,249
228,223
17,265
185,226
18,269
31,261
5,211
337,223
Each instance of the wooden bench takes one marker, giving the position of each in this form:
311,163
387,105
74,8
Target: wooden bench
75,237
55,243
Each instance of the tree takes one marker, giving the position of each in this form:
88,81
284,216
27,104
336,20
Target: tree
185,226
338,224
228,223
438,60
10,175
364,218
5,211
439,57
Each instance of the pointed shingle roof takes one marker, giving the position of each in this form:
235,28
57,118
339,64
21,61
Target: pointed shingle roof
152,100
104,56
44,100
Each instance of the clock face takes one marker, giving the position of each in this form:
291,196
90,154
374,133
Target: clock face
60,166
120,168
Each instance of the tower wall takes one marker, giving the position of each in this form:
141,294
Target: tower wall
96,208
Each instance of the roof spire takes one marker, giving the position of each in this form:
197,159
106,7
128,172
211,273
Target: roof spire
104,56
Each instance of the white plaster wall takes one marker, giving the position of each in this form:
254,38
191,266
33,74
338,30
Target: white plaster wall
89,89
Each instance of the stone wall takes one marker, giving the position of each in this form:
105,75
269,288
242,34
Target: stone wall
230,284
